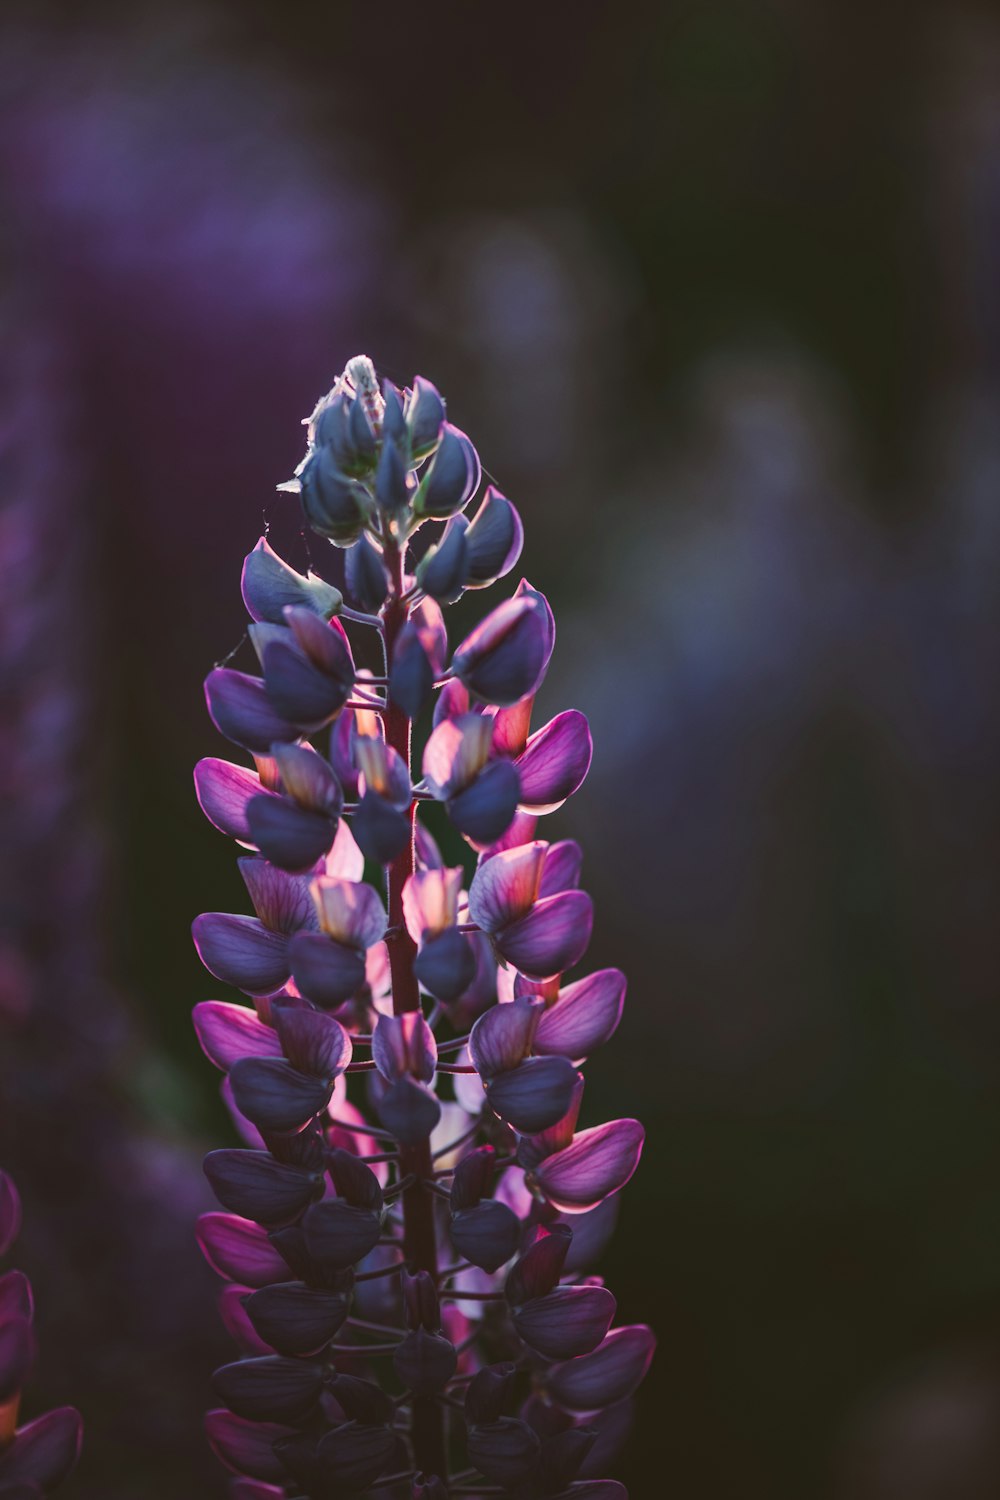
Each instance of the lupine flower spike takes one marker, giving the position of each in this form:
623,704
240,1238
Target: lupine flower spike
35,1456
408,1232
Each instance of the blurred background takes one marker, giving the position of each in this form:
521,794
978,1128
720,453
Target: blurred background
715,287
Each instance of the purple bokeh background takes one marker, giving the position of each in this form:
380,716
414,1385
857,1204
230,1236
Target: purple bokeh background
715,291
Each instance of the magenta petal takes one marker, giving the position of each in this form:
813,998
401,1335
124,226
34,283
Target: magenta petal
44,1451
598,1163
555,762
240,1250
585,1015
561,871
609,1374
246,1447
505,886
10,1213
228,1032
242,711
503,1037
236,1322
241,951
552,937
223,791
539,1268
568,1322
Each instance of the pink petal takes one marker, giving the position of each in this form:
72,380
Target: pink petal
599,1162
223,791
227,1032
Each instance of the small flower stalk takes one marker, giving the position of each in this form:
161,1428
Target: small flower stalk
35,1456
407,1235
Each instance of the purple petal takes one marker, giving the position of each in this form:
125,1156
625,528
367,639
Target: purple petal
557,1137
339,1234
234,1319
535,1095
456,752
591,1233
403,1046
291,837
300,692
552,937
451,478
381,830
494,540
282,901
241,710
223,791
521,831
17,1355
256,1186
485,810
599,1162
312,1042
524,590
609,1374
275,1096
452,701
351,913
308,778
410,1110
568,1322
239,1250
486,1234
246,1446
345,860
16,1300
324,643
296,1319
505,1451
430,902
561,871
10,1213
446,965
44,1451
539,1268
270,1388
228,1032
555,762
585,1015
325,971
511,727
354,1455
241,951
268,584
504,658
505,886
503,1037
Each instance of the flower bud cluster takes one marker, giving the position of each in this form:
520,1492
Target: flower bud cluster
408,1231
38,1455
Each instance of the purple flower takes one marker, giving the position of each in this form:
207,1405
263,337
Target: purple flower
38,1455
494,1201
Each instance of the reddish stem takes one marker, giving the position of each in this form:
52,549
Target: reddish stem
419,1239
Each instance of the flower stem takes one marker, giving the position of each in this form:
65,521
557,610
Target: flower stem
419,1239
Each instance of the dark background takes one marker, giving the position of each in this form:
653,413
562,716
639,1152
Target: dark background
715,289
